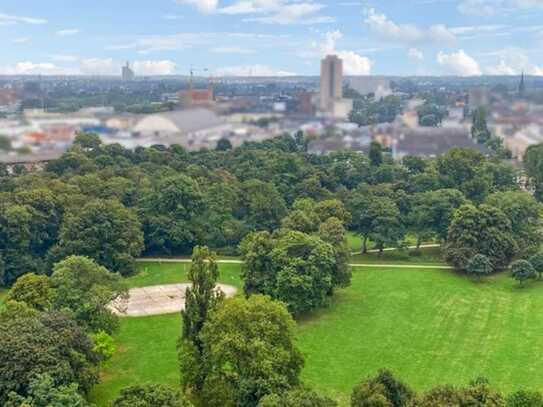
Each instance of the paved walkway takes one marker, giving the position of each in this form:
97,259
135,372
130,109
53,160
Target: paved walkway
157,300
377,265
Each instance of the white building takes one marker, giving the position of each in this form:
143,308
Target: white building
192,128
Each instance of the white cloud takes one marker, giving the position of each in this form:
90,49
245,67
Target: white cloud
459,63
204,6
7,19
415,54
164,67
513,62
251,70
388,30
68,32
31,68
353,63
281,12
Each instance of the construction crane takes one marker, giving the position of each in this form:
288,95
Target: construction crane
192,71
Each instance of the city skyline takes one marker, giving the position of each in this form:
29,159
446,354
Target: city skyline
272,37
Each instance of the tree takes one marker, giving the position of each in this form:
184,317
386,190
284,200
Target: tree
431,213
369,395
224,145
44,343
33,290
460,168
333,232
376,154
300,397
263,204
249,352
377,218
533,163
479,129
522,270
484,230
537,263
479,266
524,398
150,396
200,300
86,289
43,392
524,212
105,231
169,214
104,345
295,268
382,390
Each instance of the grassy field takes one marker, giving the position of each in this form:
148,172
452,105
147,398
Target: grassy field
427,256
428,326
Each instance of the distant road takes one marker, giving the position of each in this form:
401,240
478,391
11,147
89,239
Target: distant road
379,265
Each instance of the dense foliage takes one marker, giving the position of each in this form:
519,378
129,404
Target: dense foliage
249,352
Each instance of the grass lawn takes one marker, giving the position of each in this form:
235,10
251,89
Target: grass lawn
428,326
431,255
355,242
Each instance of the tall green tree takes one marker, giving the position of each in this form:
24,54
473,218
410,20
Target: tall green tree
150,396
484,230
105,231
86,289
200,300
522,270
32,290
533,164
382,390
44,343
524,212
479,266
250,352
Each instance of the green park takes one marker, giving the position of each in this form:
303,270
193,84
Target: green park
428,325
266,276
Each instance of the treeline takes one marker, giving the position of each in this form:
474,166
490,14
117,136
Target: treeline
113,204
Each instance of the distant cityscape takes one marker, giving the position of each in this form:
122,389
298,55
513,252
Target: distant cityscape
41,116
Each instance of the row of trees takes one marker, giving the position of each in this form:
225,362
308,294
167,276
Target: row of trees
113,204
385,390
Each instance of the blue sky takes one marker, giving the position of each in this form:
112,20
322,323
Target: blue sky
272,37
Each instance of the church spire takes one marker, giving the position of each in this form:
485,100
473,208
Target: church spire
522,86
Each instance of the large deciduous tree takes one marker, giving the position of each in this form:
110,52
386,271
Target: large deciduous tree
533,164
524,212
383,390
249,352
32,290
44,343
295,268
105,231
170,215
484,230
150,396
86,289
